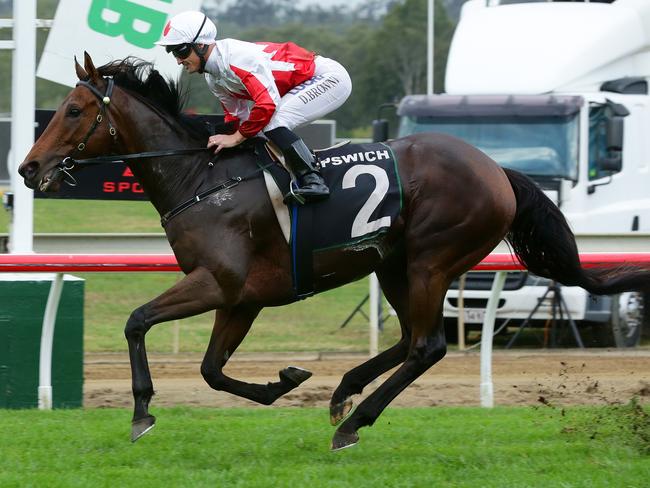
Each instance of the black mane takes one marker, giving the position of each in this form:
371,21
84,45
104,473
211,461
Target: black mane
141,78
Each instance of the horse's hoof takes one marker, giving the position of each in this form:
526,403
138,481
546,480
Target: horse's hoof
141,426
342,440
341,410
294,374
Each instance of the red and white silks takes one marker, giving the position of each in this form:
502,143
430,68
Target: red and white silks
262,86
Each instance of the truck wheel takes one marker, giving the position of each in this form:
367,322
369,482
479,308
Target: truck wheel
628,317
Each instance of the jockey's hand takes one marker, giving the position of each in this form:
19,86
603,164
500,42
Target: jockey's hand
222,141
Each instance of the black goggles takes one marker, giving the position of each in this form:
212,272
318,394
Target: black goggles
180,51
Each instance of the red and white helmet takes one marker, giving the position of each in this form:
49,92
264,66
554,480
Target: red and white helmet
190,27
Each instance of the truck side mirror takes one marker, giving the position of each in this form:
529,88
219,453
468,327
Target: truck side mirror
379,130
614,159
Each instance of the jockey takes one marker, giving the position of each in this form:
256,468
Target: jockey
263,87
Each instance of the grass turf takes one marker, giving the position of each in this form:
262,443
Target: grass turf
308,325
464,447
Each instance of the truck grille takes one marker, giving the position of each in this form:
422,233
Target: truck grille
483,281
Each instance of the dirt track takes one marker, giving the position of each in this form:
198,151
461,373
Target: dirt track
558,377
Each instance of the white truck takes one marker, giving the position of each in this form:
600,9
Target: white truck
559,91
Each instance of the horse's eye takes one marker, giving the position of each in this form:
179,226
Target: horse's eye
74,112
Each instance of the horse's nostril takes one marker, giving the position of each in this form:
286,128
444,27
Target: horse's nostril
28,170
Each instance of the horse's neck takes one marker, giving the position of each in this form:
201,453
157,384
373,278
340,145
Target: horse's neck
167,180
171,181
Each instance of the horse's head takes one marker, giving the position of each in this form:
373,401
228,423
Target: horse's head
79,126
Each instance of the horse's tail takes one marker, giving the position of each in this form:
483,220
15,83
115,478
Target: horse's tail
544,243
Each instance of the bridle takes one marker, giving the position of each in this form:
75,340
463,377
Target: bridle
104,101
69,162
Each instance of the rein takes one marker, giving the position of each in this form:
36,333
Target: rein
121,158
68,163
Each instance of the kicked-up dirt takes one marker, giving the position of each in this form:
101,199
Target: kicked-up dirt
523,377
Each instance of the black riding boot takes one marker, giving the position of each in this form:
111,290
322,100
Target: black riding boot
311,186
300,161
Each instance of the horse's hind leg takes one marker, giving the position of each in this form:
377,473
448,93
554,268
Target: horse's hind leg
230,328
196,293
427,347
394,284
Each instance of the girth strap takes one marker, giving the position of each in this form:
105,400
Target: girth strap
229,183
199,197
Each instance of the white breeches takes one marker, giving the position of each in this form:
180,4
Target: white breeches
323,93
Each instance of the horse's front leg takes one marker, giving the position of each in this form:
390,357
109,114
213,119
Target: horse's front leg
196,293
230,328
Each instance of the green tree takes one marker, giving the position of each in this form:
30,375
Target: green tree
391,61
403,41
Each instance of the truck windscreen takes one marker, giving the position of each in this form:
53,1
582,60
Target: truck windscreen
536,146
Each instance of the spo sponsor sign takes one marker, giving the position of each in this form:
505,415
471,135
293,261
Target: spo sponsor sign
108,30
102,182
112,181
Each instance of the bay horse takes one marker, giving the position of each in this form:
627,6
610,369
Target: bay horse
458,204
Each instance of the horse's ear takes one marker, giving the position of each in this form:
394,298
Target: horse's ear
81,73
93,73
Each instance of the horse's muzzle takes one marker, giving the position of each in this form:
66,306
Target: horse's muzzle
29,171
52,179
